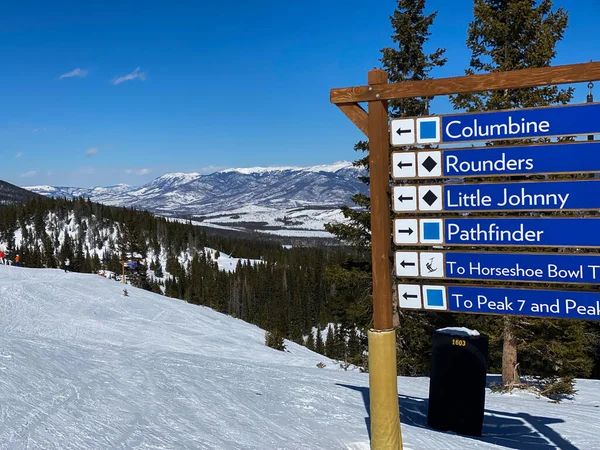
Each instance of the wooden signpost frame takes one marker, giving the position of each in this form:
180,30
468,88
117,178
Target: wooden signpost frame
385,421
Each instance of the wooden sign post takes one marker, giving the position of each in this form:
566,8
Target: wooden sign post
384,412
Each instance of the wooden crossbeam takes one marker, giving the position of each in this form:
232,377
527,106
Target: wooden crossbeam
357,115
543,76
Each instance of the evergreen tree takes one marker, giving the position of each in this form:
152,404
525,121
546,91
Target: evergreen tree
274,339
158,272
330,342
339,343
319,346
354,355
309,343
408,62
509,35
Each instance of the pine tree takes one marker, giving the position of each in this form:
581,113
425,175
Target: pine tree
319,346
354,350
511,35
158,272
339,343
274,339
330,342
309,343
407,62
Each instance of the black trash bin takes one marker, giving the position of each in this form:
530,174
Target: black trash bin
458,380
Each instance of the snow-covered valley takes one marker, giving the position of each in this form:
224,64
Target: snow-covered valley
84,367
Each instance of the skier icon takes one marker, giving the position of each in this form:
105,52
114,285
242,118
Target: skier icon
429,265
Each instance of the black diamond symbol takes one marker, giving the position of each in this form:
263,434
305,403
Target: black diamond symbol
430,198
429,163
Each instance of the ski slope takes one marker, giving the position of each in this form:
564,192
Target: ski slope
84,367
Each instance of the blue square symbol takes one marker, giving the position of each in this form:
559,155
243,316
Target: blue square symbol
428,129
431,230
434,297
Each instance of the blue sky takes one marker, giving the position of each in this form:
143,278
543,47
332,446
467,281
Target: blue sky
99,93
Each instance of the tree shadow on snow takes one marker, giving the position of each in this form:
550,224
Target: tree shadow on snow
520,431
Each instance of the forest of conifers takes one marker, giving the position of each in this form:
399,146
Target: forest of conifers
291,291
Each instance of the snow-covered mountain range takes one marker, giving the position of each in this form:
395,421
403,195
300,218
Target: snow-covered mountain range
282,200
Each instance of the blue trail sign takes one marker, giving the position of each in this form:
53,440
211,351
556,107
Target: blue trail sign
523,196
505,301
500,231
577,157
528,196
571,120
536,267
525,302
530,267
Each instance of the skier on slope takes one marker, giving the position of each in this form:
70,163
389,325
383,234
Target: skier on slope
67,265
2,257
18,261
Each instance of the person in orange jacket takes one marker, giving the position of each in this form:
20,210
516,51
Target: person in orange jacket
18,261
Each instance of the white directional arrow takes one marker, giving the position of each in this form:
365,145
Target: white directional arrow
405,198
402,132
404,165
409,296
405,231
407,264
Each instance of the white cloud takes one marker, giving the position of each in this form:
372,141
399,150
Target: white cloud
92,151
138,171
74,73
18,155
136,74
29,174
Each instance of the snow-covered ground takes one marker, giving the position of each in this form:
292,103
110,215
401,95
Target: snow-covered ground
84,367
299,222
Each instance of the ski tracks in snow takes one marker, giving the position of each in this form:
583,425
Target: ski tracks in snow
82,367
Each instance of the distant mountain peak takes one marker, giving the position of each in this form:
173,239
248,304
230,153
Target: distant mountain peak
262,196
178,175
339,165
9,193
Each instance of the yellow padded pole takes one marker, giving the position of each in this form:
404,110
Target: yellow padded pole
383,387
